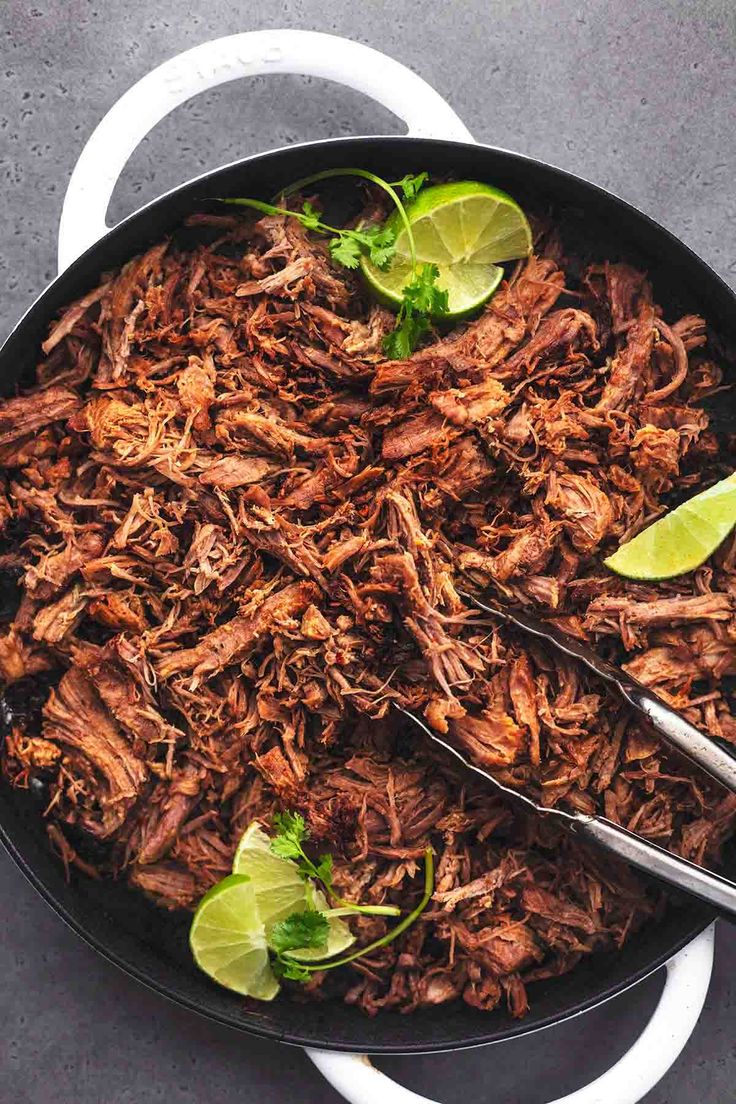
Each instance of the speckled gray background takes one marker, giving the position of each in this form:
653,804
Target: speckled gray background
639,96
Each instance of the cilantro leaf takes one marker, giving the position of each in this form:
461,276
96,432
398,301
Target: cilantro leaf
345,250
291,831
323,871
300,930
380,242
422,300
403,340
310,217
410,185
290,969
423,293
291,824
376,241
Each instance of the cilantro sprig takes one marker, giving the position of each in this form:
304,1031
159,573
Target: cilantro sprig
346,246
422,299
411,185
309,929
291,833
298,932
306,941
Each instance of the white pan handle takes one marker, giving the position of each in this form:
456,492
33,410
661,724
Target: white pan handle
630,1079
252,53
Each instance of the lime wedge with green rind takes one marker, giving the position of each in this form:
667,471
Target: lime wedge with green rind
467,229
681,540
280,891
228,940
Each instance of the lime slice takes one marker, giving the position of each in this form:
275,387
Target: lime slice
467,229
279,891
681,540
228,940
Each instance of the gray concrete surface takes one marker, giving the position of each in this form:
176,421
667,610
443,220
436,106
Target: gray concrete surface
638,96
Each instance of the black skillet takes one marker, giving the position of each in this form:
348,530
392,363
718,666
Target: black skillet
150,944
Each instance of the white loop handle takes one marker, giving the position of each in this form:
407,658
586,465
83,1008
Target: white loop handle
631,1078
253,53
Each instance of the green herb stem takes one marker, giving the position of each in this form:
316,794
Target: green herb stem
272,209
257,205
347,909
390,936
328,174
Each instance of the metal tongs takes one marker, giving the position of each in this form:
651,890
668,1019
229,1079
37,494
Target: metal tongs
672,727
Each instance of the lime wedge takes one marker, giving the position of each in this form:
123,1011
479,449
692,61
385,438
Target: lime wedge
278,888
228,940
681,540
279,891
467,229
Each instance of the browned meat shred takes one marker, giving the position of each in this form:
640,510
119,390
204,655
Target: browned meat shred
239,534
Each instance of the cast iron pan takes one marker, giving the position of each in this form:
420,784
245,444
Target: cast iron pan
150,944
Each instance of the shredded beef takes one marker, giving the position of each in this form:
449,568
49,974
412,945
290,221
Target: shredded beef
240,534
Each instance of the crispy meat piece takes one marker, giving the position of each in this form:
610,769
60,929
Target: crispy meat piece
412,436
540,903
196,387
516,310
528,553
56,568
122,612
661,665
236,471
559,335
473,404
450,660
122,679
28,413
167,809
171,886
75,717
629,618
522,692
629,367
272,435
234,641
583,506
493,739
275,768
626,288
20,658
72,316
466,470
130,296
656,455
55,622
267,530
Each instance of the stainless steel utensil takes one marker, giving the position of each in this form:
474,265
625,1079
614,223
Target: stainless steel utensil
648,857
671,725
